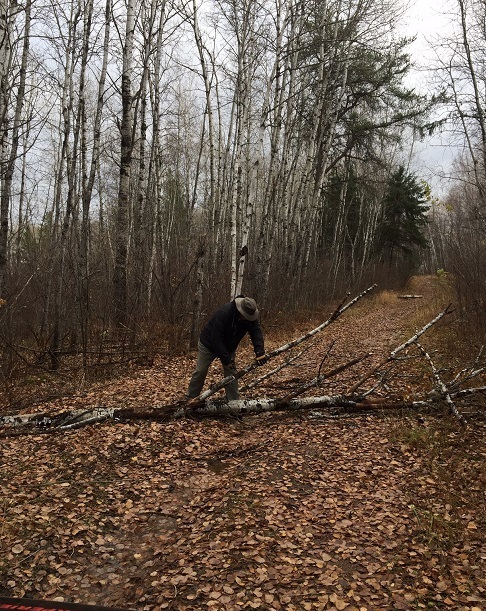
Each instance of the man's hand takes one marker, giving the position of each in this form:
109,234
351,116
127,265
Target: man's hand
261,359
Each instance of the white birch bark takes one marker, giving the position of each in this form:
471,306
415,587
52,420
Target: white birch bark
206,76
68,162
479,100
156,171
274,218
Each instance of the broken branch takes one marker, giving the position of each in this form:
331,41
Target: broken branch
276,370
393,354
320,378
442,387
225,381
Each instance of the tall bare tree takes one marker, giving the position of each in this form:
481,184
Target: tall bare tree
8,13
120,279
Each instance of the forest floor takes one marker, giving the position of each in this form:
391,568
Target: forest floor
279,511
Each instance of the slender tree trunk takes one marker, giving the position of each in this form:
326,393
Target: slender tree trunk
197,301
120,276
7,16
155,172
479,103
8,171
209,105
69,154
82,285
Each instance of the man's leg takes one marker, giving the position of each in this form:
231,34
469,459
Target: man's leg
231,390
204,359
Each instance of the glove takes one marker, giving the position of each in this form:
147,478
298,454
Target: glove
261,359
230,369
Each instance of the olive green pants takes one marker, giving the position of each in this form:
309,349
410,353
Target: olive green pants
204,359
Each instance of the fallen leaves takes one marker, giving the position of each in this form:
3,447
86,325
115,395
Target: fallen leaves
268,513
278,529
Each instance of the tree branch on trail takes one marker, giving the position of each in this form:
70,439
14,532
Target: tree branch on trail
393,354
325,376
441,386
272,372
350,402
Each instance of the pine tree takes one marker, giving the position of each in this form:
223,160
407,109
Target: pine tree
400,236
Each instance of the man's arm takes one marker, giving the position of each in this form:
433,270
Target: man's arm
256,336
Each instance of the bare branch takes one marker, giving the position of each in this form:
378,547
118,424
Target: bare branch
320,378
393,354
225,381
286,363
442,387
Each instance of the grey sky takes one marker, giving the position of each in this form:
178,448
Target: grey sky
429,20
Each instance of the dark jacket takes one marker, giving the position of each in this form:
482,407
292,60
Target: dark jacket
225,330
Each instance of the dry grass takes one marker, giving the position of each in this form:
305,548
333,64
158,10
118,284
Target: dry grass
453,462
385,298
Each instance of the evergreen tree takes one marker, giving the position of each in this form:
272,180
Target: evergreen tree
400,236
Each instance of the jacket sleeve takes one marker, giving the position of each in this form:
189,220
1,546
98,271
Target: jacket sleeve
256,336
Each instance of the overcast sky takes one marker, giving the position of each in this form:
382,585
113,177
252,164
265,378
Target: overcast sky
429,20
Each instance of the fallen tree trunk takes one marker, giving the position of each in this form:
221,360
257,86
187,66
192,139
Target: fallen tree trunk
45,423
393,354
350,401
272,354
66,421
257,406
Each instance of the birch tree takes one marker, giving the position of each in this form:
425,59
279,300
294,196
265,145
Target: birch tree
9,157
8,13
120,279
246,25
460,70
141,234
472,21
72,161
90,167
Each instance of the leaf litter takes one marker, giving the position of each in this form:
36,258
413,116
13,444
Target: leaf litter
269,512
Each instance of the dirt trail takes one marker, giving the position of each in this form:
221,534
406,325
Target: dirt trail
276,512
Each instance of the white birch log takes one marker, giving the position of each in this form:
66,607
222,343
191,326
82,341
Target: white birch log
225,381
37,423
258,406
63,421
393,354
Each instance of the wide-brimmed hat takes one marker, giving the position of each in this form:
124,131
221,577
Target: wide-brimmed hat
247,307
